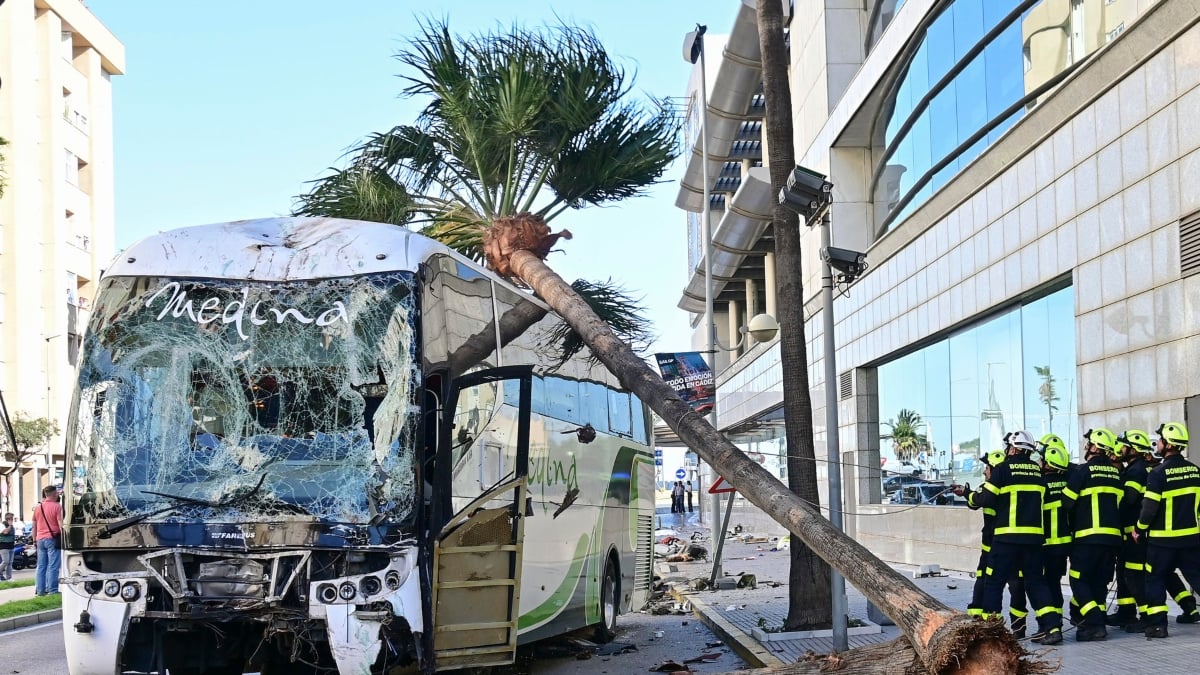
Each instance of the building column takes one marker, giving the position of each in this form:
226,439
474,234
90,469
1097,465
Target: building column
735,322
751,300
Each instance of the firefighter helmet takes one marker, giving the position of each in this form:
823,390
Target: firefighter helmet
1103,439
1056,457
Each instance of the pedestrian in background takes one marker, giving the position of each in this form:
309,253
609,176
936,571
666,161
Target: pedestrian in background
689,496
47,525
8,538
677,497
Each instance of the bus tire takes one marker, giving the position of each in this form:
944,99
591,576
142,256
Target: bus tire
610,603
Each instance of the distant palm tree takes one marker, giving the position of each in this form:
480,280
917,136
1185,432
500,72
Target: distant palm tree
1046,393
3,143
906,441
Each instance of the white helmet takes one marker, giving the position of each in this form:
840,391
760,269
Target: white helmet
1022,439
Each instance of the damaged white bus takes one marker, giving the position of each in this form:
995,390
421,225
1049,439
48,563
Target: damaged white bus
325,446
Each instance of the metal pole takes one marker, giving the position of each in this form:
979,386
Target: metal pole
837,583
716,569
709,320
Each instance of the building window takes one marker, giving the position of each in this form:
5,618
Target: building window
71,168
66,46
944,405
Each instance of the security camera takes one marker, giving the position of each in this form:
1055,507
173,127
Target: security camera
807,193
849,263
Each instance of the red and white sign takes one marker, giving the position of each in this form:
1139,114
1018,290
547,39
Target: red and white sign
719,487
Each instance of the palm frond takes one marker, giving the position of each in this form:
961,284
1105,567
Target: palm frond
357,193
622,312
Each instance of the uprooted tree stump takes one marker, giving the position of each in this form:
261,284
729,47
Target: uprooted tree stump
898,657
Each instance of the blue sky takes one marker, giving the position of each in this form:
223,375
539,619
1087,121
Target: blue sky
228,108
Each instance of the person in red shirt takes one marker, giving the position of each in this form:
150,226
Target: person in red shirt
47,525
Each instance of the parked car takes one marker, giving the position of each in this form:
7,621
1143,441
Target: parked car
896,481
928,494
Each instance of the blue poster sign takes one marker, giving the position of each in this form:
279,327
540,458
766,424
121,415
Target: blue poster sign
690,377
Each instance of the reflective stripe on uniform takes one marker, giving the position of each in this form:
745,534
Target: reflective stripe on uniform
1089,607
1126,601
1135,486
1074,575
1181,595
1159,609
1135,566
1017,613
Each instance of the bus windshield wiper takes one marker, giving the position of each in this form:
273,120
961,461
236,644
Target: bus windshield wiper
230,499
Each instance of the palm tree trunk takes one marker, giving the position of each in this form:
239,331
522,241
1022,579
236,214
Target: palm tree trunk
809,592
946,640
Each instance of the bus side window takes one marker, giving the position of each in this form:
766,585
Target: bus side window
594,405
619,419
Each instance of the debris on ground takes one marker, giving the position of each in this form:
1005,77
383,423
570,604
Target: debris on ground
616,648
670,667
564,647
748,581
704,658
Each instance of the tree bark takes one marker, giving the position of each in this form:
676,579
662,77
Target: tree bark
896,657
809,592
946,640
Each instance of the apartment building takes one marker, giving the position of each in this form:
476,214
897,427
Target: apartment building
1022,177
56,215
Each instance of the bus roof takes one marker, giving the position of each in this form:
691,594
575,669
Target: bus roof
278,249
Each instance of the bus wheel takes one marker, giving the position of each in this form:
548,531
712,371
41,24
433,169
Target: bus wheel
610,592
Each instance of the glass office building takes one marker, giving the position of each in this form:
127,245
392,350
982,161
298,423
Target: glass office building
1020,175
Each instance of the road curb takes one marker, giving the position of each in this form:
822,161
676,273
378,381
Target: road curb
25,620
753,653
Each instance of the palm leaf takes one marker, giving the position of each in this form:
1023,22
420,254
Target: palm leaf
359,193
612,303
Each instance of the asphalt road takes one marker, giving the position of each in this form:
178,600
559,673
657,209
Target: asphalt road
38,650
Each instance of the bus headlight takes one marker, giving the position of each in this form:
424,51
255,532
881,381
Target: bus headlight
392,580
347,591
112,587
370,585
326,593
130,592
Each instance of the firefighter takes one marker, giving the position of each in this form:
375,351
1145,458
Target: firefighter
1015,490
1169,523
1056,467
1092,497
1018,610
1136,452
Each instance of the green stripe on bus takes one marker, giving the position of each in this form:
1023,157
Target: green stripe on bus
561,595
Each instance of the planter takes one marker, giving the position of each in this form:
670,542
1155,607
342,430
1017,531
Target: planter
763,636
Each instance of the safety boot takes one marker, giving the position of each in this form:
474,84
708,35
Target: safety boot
1156,631
1189,617
1091,633
1137,626
1120,618
1050,637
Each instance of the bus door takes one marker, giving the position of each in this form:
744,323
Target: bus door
483,459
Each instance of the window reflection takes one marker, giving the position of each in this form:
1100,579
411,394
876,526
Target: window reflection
925,121
944,405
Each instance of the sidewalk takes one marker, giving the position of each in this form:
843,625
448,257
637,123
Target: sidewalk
24,593
734,614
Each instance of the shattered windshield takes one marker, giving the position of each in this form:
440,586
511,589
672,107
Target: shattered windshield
247,401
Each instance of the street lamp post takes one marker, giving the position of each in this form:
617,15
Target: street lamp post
810,195
49,410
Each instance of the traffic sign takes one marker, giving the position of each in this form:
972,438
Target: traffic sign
680,473
658,452
657,462
717,488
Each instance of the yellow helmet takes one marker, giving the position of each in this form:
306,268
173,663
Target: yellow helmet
995,458
1174,433
1135,439
1052,441
1057,458
1103,439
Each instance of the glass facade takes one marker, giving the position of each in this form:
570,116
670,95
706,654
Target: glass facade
949,402
978,66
